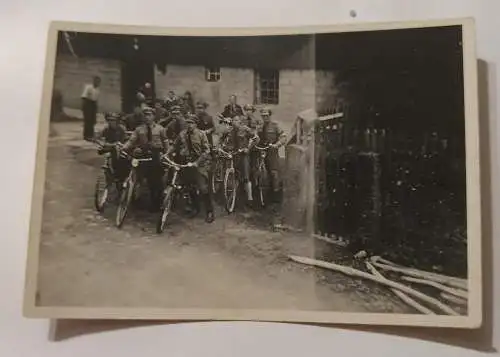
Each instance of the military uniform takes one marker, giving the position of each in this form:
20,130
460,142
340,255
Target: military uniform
170,102
204,122
160,114
148,138
239,138
187,106
252,122
193,146
111,136
175,126
271,133
151,139
230,111
135,119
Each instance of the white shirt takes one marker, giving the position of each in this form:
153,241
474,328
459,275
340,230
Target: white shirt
90,92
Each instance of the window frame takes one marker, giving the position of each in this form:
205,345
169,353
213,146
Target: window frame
213,74
267,89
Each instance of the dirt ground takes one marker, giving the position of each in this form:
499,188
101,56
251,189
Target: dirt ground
236,262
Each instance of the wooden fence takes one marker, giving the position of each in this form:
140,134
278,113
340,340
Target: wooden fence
384,190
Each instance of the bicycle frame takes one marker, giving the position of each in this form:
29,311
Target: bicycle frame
262,155
260,174
177,168
107,166
135,164
105,180
229,156
230,170
169,192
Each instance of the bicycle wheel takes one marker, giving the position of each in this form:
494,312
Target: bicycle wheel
165,209
230,190
216,177
125,198
261,184
101,192
213,185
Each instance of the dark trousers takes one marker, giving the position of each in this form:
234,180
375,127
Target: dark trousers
153,172
242,163
89,109
198,180
272,167
121,167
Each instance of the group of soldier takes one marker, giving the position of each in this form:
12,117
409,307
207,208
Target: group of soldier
186,132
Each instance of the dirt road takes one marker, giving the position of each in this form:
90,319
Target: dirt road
236,262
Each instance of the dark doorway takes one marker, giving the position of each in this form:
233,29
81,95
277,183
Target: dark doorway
135,73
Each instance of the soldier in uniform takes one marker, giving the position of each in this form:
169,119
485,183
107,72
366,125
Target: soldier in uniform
205,122
250,120
111,135
170,100
113,132
160,112
249,117
192,146
133,120
188,103
271,134
175,124
233,108
238,137
149,139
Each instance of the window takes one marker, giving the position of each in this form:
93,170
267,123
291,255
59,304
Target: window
212,74
267,87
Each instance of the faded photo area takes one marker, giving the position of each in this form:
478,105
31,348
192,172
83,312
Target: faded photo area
321,172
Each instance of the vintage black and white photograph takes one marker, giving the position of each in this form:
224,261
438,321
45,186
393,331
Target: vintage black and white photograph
308,176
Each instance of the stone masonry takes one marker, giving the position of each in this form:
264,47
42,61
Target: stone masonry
299,89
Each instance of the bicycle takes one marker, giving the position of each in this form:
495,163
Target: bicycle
231,181
217,176
106,179
129,187
261,180
169,192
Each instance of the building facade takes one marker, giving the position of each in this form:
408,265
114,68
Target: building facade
278,74
286,91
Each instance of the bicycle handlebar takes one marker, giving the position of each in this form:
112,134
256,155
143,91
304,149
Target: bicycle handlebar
102,144
229,155
128,156
169,162
262,148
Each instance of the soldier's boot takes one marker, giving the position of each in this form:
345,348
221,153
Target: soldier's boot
209,208
275,187
195,205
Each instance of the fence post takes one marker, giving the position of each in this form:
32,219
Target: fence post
311,160
377,199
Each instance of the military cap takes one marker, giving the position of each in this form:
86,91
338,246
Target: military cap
111,116
148,110
265,111
191,118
